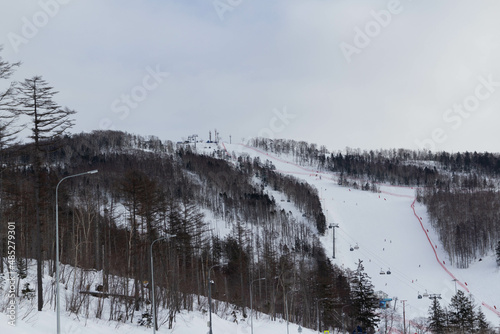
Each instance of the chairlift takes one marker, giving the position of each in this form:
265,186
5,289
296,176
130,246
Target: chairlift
425,294
351,249
356,247
382,272
419,296
388,271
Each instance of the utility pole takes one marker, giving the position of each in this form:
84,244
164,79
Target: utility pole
153,305
210,294
455,280
404,319
58,304
343,323
317,311
251,302
333,226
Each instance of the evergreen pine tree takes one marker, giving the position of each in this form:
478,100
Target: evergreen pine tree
364,301
22,268
437,318
481,325
461,313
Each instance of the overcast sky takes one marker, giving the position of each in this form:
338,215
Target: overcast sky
366,73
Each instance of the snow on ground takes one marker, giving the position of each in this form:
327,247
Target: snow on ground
29,320
391,236
187,323
217,225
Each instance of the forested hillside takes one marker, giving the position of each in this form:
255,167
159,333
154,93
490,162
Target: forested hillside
460,190
146,188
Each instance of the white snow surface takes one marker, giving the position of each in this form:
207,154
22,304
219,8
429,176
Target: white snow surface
28,320
390,236
187,323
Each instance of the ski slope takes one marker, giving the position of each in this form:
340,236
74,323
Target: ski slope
392,232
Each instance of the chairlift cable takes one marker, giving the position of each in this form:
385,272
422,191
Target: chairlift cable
400,276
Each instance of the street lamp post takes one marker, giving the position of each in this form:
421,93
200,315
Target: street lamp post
210,294
286,309
58,309
153,299
343,326
251,302
317,310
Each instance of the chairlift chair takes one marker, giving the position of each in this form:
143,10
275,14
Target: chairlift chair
382,272
425,294
419,296
351,249
356,247
388,271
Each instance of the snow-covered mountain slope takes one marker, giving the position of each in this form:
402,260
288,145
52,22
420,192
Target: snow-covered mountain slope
392,233
388,231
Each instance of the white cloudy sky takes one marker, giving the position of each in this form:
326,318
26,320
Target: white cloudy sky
239,66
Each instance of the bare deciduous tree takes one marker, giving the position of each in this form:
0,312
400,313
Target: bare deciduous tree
49,121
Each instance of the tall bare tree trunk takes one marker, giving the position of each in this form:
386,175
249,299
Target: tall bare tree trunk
38,239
